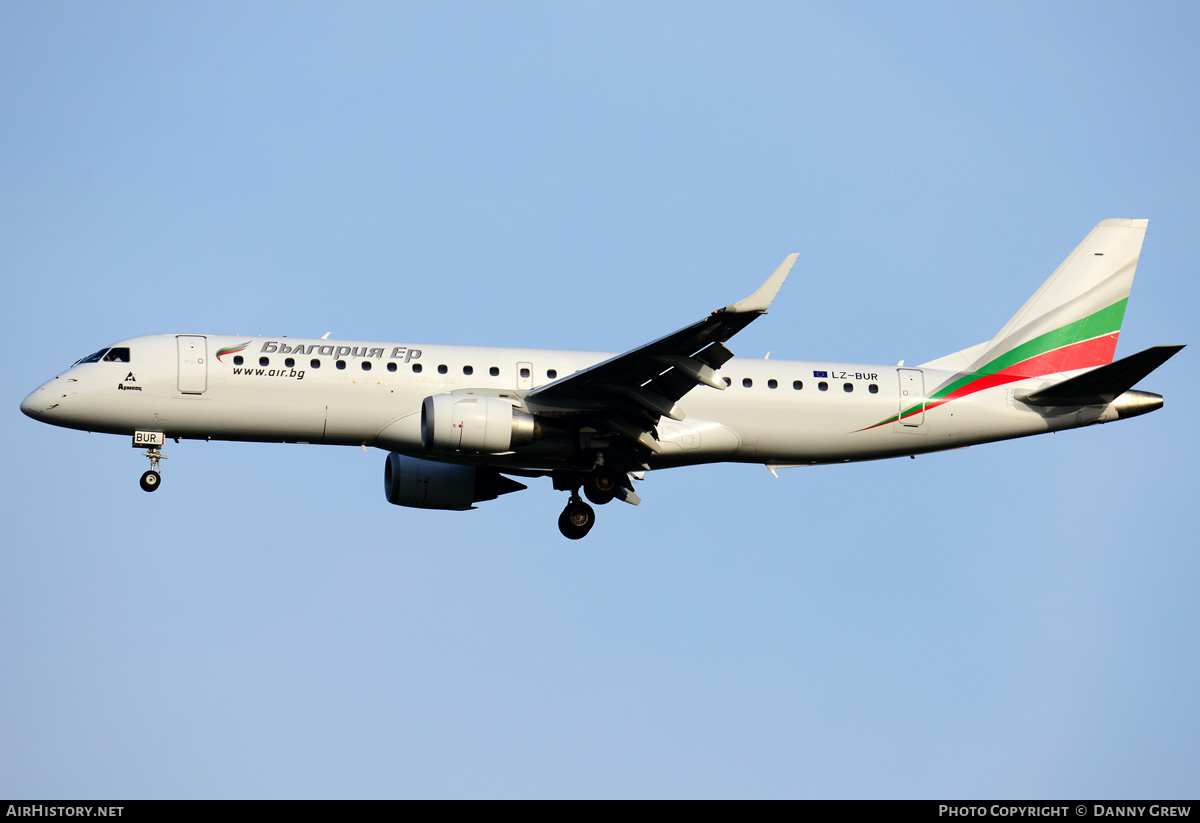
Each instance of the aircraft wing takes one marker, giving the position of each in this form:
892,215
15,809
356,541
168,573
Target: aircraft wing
629,393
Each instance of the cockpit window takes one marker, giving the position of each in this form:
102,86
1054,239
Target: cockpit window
92,358
116,354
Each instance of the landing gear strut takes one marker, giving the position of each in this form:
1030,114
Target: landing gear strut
152,479
577,518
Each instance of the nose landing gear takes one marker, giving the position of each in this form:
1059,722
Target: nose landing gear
150,480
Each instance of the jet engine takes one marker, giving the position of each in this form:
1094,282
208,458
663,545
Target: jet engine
430,484
468,423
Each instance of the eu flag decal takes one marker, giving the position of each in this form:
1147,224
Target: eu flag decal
820,374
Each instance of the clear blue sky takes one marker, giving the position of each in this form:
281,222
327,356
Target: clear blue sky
591,176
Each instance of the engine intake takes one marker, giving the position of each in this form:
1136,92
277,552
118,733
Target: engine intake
468,423
431,484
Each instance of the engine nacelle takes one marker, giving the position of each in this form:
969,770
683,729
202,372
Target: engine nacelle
480,425
431,484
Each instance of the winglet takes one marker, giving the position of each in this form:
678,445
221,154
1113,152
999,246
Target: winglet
760,301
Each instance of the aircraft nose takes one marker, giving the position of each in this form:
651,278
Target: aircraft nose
35,404
29,404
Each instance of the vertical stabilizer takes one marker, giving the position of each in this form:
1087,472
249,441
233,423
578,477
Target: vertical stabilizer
1073,321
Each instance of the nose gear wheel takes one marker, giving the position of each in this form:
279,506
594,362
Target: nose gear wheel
151,480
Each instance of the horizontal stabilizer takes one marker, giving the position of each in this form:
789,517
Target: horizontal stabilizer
1103,384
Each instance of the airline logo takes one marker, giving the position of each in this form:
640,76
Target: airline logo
231,350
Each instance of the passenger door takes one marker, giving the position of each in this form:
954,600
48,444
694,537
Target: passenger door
193,363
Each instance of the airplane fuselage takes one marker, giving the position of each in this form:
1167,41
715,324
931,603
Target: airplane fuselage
777,412
460,423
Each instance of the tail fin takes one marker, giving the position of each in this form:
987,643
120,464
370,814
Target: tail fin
1073,321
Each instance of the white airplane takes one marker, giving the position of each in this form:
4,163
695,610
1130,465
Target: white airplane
461,422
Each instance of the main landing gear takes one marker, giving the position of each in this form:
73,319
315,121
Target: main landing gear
152,479
577,518
601,485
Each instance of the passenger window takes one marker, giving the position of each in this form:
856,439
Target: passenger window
391,366
873,389
264,361
341,364
551,374
366,365
728,382
524,372
797,385
314,363
847,387
823,386
494,372
747,382
772,383
289,362
237,360
416,368
468,370
442,369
